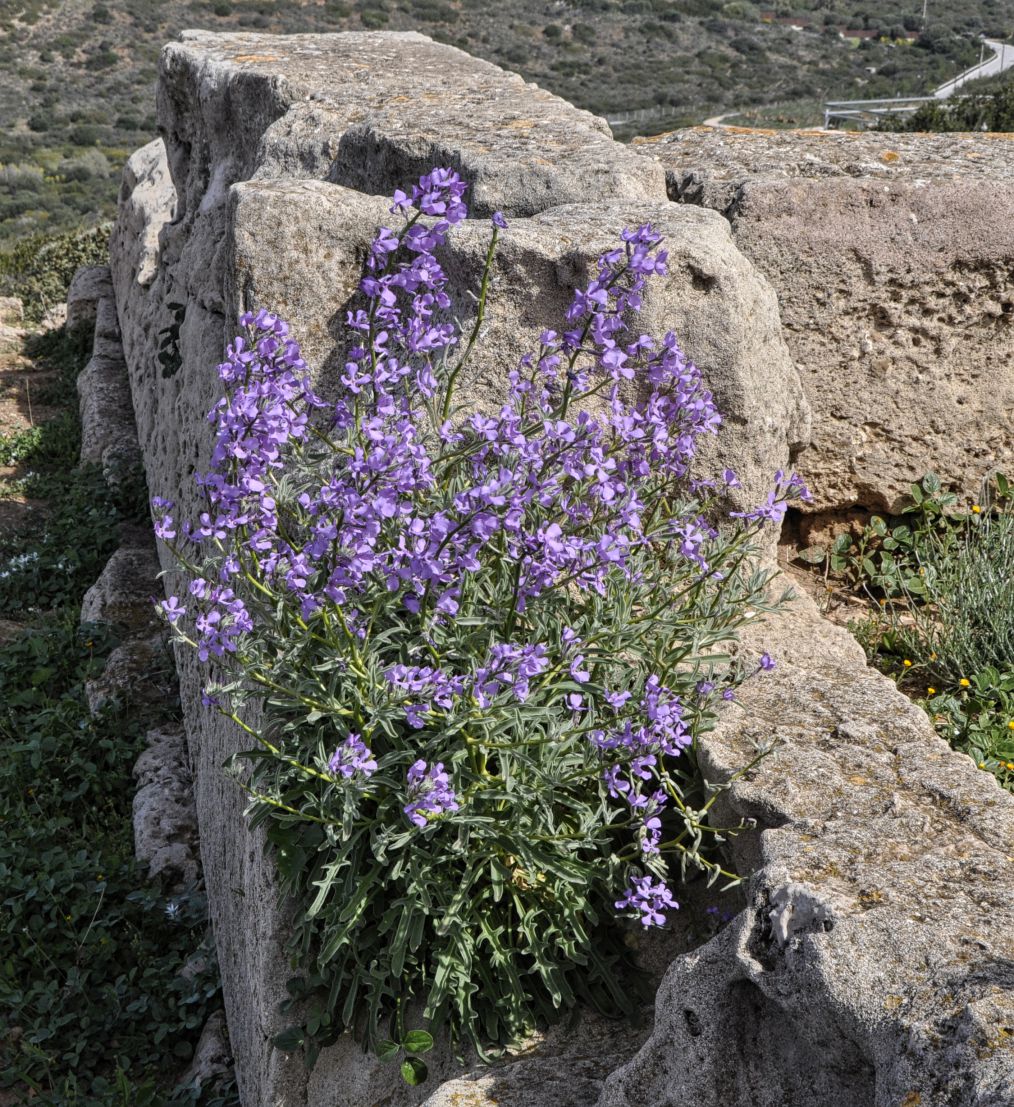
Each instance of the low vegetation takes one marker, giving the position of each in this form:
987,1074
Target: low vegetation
96,1009
938,584
991,109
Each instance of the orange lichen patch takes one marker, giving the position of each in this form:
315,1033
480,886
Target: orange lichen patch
256,58
749,130
913,1099
890,156
521,124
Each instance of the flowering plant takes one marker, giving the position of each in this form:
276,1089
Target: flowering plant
475,650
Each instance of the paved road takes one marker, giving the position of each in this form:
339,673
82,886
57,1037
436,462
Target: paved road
1003,58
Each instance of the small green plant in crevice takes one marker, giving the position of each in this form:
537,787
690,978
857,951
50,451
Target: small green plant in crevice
882,561
940,585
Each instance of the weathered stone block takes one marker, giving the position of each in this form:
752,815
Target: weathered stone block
892,258
87,287
871,967
297,247
276,149
122,595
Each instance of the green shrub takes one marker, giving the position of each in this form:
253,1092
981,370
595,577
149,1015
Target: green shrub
39,268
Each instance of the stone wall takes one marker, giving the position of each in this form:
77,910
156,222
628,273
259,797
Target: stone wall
264,191
893,259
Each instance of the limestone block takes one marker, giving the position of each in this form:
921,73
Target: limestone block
165,818
88,285
892,259
138,671
280,150
147,201
371,110
122,595
107,417
872,964
211,1057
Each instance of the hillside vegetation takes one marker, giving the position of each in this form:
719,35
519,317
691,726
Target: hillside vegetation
77,76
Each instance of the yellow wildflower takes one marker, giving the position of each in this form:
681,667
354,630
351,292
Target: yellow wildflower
931,691
976,509
907,663
965,682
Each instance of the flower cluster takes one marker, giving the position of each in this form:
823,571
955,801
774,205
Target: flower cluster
649,898
352,758
509,612
429,793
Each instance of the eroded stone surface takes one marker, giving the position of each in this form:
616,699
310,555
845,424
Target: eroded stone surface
261,214
892,258
88,285
165,818
297,247
122,596
872,966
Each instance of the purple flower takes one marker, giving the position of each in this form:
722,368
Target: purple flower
172,609
352,757
649,899
767,662
499,221
578,671
429,793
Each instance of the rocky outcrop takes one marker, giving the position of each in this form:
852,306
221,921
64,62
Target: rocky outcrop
280,153
874,963
892,258
271,179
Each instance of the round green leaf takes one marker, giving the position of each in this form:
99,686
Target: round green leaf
387,1051
418,1041
414,1071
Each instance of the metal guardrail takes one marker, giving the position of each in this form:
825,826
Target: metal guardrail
871,110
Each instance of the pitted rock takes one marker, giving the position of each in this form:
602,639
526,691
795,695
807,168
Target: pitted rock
872,966
122,595
165,818
892,258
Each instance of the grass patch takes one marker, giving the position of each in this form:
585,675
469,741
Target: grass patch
939,587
